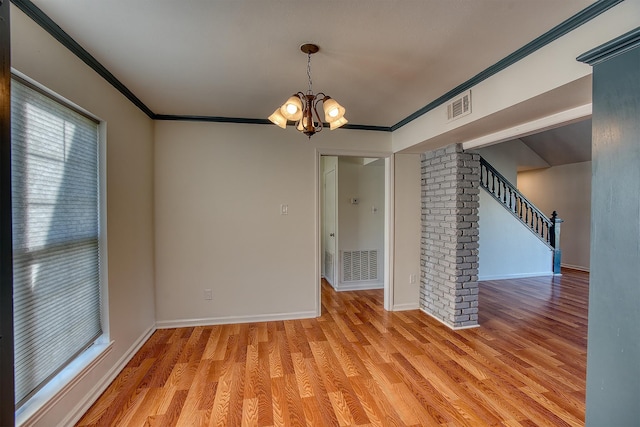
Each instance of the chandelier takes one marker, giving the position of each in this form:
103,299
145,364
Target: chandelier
303,108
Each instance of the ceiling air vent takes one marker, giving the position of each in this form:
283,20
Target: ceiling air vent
459,106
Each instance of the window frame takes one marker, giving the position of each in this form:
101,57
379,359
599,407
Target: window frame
61,383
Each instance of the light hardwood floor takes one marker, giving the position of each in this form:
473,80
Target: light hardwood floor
360,365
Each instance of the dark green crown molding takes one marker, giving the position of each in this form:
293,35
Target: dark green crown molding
37,15
556,32
217,119
366,127
615,47
242,120
570,24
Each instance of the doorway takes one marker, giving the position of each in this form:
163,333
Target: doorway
354,227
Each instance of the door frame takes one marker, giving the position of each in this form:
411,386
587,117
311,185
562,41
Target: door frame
323,203
389,183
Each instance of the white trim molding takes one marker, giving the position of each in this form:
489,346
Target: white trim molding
406,306
226,320
545,123
83,406
514,276
50,395
358,286
575,267
56,389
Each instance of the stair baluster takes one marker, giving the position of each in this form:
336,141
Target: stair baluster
509,196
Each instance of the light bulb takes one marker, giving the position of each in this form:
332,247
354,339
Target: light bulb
332,110
291,109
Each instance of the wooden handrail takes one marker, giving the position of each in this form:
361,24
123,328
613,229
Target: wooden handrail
516,203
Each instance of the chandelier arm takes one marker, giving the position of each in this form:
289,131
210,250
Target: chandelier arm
315,110
310,121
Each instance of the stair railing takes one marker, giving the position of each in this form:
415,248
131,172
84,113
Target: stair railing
504,192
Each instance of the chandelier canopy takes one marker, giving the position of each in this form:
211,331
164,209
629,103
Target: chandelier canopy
302,108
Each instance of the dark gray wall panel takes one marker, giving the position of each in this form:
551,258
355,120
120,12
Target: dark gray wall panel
613,352
6,283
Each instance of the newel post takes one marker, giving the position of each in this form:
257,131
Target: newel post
554,239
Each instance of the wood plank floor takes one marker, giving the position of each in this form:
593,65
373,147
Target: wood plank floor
360,365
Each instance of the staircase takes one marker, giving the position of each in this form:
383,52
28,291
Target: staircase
546,229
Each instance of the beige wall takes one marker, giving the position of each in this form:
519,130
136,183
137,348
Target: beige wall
567,190
407,231
360,228
508,249
219,188
129,195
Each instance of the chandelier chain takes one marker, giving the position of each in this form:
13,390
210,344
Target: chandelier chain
310,91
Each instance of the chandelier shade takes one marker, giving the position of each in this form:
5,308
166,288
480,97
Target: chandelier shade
302,108
278,119
337,123
332,110
292,109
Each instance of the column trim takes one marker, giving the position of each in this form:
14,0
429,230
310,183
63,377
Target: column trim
612,48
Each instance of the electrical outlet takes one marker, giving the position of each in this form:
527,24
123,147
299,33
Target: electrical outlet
208,294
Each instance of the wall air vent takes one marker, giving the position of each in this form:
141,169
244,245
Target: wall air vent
460,106
358,266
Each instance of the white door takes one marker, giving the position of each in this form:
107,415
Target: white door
329,229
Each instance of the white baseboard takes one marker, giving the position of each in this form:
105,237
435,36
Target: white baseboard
224,320
515,276
575,267
83,406
455,328
406,306
358,286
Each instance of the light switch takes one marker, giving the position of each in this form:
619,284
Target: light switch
284,209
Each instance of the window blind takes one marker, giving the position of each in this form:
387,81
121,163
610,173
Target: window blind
56,259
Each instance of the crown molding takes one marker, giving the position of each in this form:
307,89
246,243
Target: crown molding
241,120
555,33
366,127
216,119
615,47
38,16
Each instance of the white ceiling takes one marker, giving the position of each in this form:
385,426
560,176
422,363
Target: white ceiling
563,145
382,59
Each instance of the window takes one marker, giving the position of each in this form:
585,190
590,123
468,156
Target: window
56,232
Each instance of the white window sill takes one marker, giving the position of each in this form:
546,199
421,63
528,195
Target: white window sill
55,389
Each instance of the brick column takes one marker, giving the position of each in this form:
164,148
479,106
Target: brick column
449,243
